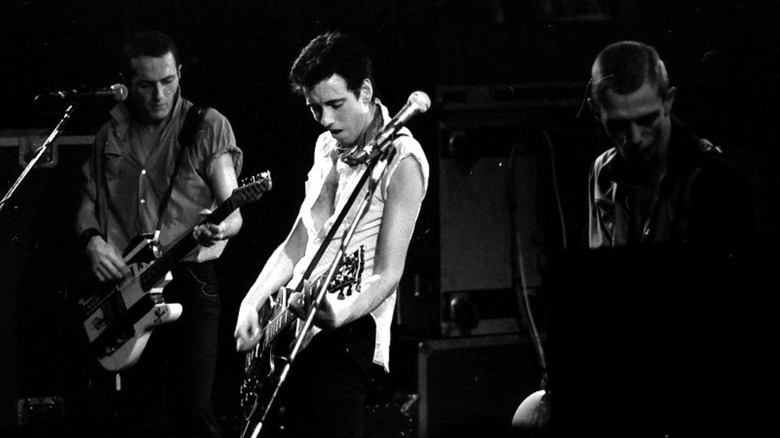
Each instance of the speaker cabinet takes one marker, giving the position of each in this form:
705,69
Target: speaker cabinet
474,219
501,204
475,214
472,386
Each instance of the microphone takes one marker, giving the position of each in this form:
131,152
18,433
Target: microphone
117,91
418,103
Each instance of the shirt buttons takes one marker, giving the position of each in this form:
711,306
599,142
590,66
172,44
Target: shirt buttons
143,201
143,171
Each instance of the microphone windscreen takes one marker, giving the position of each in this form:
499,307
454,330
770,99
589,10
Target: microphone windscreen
420,100
120,92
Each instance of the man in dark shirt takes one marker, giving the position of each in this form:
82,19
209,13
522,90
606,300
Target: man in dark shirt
658,183
142,180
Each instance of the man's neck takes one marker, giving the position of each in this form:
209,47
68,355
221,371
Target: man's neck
363,138
366,126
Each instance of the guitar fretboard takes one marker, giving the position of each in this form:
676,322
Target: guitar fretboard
276,325
180,249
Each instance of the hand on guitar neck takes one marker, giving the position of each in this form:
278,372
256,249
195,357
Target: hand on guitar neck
209,233
300,303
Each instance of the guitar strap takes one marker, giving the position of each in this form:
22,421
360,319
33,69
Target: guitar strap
186,138
101,186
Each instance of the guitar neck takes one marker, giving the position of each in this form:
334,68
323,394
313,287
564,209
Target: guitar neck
349,275
276,325
180,249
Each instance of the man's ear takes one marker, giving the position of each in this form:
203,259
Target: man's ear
669,101
366,91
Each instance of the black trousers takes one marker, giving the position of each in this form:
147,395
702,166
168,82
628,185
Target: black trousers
324,393
168,391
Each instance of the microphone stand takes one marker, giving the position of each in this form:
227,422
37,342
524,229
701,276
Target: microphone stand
39,152
377,160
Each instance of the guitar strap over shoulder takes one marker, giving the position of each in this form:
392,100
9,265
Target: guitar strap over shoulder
101,187
186,138
192,121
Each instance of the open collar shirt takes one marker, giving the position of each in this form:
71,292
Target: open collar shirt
134,187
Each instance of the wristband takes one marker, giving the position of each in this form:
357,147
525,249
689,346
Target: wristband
87,235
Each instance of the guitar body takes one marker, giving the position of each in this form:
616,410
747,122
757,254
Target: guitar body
130,351
120,317
266,365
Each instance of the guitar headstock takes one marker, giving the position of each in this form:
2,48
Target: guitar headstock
252,188
348,274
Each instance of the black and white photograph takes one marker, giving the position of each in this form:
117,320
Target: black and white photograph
388,218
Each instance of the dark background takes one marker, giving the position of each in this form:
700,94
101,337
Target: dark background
529,63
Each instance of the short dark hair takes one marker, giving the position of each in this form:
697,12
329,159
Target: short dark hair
624,67
328,54
146,43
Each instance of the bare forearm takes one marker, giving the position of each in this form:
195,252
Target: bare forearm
233,224
276,272
374,291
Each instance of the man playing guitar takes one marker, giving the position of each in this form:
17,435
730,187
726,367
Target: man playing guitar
143,179
324,391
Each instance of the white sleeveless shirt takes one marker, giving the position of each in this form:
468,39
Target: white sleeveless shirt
367,232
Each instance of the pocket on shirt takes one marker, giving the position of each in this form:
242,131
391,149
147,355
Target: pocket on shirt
112,163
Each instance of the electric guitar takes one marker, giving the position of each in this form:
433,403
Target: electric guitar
264,363
119,317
